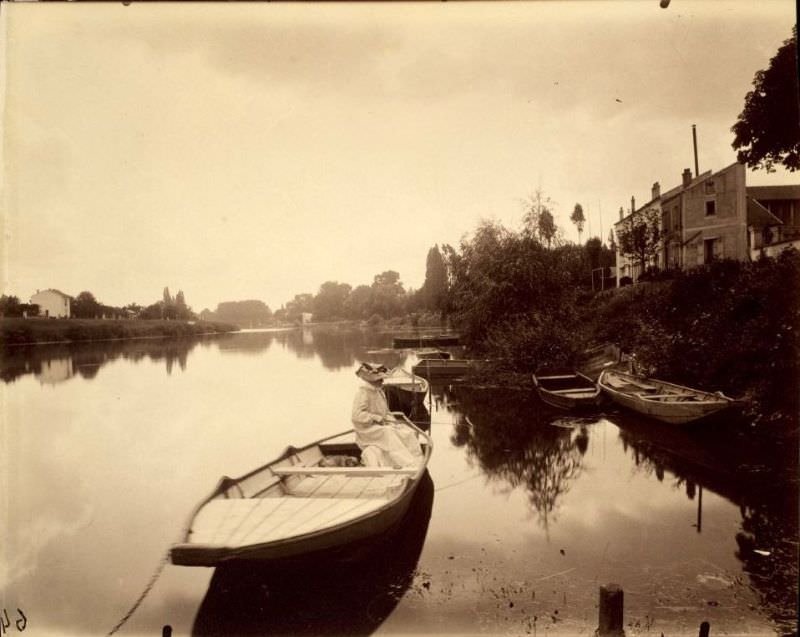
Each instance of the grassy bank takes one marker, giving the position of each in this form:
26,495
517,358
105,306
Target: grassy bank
19,331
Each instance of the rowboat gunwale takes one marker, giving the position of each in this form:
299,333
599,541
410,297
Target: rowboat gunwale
414,382
352,529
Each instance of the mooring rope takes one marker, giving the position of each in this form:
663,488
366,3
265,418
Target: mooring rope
147,589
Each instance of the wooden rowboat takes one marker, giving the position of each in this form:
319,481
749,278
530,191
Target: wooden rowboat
297,504
567,390
428,340
447,368
431,353
404,391
658,399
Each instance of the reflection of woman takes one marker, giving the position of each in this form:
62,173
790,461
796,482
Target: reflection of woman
383,441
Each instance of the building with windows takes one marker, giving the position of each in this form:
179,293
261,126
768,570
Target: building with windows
52,303
713,216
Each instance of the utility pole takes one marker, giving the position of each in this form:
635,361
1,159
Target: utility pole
694,141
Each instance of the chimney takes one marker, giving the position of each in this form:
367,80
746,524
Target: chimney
687,177
633,205
621,213
656,191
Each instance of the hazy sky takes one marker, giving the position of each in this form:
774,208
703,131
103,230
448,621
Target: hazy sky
254,151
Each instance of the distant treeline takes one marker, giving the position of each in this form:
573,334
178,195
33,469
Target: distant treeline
19,331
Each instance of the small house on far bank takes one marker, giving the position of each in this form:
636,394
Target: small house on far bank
714,216
52,303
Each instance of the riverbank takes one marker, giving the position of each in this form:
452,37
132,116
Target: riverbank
730,326
35,331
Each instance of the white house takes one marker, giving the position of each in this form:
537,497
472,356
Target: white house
52,303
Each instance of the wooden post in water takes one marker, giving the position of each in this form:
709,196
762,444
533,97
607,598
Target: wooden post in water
611,611
705,628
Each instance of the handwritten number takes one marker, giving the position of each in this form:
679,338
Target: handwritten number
4,622
22,620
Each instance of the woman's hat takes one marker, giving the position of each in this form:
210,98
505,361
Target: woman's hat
372,373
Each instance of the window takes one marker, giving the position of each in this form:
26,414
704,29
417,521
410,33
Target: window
709,185
711,207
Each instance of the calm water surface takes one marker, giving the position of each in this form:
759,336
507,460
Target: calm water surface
526,514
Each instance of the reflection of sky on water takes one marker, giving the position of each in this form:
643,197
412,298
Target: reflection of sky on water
104,471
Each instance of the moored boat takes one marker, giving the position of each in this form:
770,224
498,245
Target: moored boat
431,353
661,400
446,368
307,500
567,390
428,340
404,390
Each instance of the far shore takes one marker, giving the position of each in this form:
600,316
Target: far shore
42,331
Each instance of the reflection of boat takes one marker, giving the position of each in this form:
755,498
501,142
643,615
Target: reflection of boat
567,390
329,593
431,353
299,504
658,399
431,340
448,368
404,390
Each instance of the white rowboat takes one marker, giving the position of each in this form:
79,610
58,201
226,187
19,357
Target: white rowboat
299,504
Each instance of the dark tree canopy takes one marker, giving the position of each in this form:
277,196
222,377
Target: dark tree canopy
640,236
768,129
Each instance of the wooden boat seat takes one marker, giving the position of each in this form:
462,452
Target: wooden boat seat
339,486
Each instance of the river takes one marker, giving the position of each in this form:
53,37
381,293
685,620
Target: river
528,512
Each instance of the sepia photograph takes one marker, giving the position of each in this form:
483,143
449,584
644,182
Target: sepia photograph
399,318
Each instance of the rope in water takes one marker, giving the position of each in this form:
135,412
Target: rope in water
147,589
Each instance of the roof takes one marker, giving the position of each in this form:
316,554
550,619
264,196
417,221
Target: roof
771,193
59,292
675,191
758,215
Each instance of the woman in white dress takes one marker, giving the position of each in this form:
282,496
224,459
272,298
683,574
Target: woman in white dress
383,441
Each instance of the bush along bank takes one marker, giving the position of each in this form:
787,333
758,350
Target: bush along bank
18,331
729,326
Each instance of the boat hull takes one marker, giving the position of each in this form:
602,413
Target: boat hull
671,404
568,391
451,368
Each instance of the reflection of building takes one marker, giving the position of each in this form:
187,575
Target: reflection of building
714,216
55,370
53,303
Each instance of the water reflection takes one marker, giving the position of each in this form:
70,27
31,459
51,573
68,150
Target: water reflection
709,459
54,364
330,594
509,434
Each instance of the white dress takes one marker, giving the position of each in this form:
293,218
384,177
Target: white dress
383,442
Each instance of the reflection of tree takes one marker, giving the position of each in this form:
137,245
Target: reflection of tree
747,473
509,434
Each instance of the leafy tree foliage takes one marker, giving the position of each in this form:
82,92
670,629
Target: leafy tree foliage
768,129
434,290
640,236
10,306
329,303
249,313
577,217
86,306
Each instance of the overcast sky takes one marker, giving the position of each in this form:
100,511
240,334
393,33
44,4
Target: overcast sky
255,151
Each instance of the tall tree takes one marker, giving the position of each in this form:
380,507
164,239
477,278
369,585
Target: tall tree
768,129
434,290
577,217
547,229
640,236
330,301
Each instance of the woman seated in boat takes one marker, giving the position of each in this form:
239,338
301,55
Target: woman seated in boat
383,441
